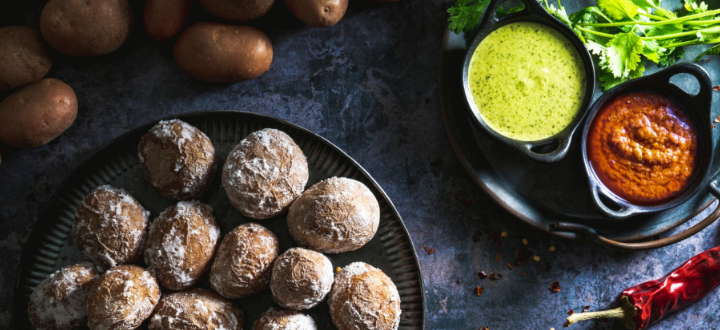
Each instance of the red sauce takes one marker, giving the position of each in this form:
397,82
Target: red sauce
643,147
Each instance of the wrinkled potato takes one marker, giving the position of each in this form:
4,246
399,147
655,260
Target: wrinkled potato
237,10
37,114
217,52
163,19
318,13
86,27
23,57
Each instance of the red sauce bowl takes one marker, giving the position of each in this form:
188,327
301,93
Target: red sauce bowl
644,125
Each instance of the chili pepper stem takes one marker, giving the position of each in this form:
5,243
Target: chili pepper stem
625,314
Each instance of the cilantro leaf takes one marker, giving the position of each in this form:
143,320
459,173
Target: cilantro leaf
619,9
694,7
465,15
623,54
651,50
714,50
669,57
514,9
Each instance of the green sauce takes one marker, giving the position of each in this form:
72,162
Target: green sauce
527,80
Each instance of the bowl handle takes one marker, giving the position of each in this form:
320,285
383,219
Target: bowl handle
592,235
563,142
696,71
625,210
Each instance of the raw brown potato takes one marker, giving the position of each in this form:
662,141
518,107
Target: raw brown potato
217,52
86,27
318,13
196,309
237,10
23,57
163,19
37,114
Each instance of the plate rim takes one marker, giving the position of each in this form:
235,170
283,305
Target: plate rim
24,258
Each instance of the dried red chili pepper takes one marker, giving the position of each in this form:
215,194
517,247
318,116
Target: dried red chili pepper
555,287
479,290
495,276
586,308
571,311
644,304
482,274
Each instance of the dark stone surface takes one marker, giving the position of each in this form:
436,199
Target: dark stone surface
368,85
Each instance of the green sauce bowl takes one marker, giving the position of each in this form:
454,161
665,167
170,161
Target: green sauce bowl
553,148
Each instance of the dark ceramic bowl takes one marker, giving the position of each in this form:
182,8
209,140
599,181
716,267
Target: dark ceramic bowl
698,108
554,148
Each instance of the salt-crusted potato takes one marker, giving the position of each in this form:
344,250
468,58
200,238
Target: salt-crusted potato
364,298
244,261
86,27
334,216
37,114
264,174
284,319
163,19
24,58
216,52
178,159
110,227
237,10
181,244
122,298
196,309
318,13
59,302
301,279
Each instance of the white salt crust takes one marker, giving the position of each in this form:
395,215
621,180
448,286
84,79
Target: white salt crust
139,306
71,307
316,290
215,314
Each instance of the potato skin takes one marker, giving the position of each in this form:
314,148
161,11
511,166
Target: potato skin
237,10
37,114
24,58
86,27
318,13
217,52
163,19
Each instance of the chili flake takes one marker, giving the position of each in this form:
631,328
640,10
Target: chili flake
510,266
716,88
586,308
555,286
482,274
479,290
429,250
495,276
497,257
571,312
485,328
522,273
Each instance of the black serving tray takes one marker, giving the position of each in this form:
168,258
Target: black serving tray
554,198
50,245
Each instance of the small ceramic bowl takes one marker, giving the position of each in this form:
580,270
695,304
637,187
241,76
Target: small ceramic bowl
554,148
697,107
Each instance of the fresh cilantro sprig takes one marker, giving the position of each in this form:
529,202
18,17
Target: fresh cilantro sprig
623,34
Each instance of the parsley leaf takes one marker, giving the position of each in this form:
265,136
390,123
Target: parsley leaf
715,50
514,9
623,54
619,9
465,15
669,57
694,7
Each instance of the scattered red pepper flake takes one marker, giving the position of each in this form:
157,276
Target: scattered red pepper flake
496,238
482,275
555,286
571,312
707,61
510,266
485,328
429,250
462,200
522,273
495,276
479,290
716,88
497,257
713,126
717,119
586,308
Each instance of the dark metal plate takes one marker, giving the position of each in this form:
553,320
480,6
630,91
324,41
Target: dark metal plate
543,194
50,245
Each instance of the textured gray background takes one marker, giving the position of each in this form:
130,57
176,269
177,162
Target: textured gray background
368,85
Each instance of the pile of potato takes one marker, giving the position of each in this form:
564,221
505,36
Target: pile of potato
209,51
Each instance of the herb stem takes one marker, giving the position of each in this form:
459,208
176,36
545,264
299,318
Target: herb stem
607,35
680,44
678,20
